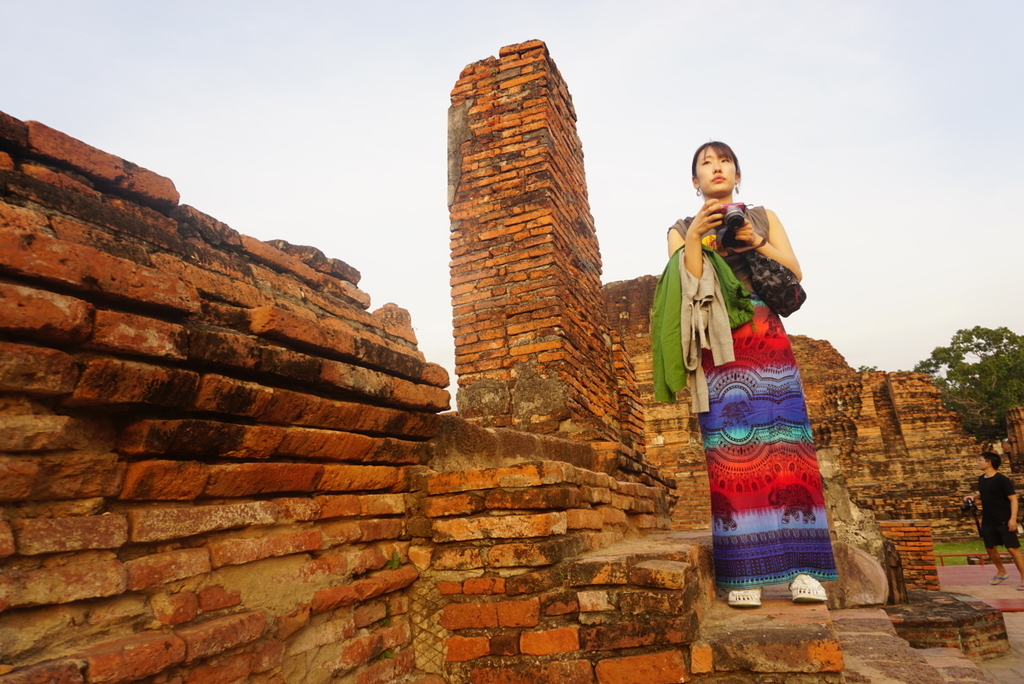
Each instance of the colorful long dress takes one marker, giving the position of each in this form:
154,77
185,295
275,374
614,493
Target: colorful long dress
767,505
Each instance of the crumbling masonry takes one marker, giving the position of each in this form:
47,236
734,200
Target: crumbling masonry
218,465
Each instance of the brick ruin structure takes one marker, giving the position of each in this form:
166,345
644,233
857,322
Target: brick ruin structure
218,465
1015,434
903,454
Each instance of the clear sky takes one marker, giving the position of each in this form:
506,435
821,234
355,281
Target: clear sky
886,135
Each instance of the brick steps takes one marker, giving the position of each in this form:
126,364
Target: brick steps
874,653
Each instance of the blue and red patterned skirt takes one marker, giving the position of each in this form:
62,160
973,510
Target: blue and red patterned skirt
768,509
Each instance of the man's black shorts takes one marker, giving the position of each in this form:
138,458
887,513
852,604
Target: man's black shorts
999,535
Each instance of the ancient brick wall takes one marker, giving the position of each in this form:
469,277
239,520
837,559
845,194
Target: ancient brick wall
673,436
1015,433
903,454
533,348
913,540
533,568
206,441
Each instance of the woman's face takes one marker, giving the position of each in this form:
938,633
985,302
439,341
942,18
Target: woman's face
716,175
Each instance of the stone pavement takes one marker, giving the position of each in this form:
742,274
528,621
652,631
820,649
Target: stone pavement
973,580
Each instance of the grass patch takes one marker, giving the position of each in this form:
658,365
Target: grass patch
974,547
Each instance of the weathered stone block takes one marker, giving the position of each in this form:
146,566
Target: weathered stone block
161,568
158,524
36,370
116,381
44,315
666,667
58,535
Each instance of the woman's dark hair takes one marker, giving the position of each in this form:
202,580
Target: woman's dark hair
992,458
719,148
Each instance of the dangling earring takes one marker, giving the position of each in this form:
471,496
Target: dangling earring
737,189
698,192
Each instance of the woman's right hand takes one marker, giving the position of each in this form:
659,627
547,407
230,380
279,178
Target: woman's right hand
707,219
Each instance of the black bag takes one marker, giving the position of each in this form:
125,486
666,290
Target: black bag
775,284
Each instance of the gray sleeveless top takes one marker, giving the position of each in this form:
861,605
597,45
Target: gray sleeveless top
758,219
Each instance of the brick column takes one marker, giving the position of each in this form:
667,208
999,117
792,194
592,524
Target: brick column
533,348
913,540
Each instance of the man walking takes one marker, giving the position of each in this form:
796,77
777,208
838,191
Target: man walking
998,516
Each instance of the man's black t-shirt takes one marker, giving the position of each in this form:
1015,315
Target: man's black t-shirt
995,503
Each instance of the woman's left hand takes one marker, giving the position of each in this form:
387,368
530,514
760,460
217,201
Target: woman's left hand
745,233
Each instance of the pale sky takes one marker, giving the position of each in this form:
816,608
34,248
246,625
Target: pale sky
886,135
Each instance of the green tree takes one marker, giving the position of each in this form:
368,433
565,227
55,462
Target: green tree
981,375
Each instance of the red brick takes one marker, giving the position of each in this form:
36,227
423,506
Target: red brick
564,640
484,585
452,504
161,568
457,616
372,530
6,540
59,179
634,634
343,505
369,613
58,535
6,163
382,504
296,509
132,658
62,584
36,370
17,477
499,527
536,553
174,609
651,668
339,532
584,519
158,524
456,558
217,597
227,671
239,551
100,165
61,671
562,672
243,479
84,268
164,480
106,381
43,433
560,603
348,478
388,670
221,634
60,475
541,497
44,315
461,649
449,588
519,613
347,446
199,438
132,334
380,583
21,220
522,475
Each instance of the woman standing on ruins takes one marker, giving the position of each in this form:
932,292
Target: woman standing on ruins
768,512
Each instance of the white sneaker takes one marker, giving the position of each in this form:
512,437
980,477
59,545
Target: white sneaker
806,589
745,598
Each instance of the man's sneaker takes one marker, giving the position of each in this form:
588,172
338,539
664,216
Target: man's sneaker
806,589
745,598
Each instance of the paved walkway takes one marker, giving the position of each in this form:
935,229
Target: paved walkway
973,580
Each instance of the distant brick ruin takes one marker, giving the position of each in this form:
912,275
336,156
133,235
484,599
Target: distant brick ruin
218,465
903,454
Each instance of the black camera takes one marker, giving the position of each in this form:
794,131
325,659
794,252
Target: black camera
733,217
968,506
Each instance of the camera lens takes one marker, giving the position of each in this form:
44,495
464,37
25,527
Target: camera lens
733,218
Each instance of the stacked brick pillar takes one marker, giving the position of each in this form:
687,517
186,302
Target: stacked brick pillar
1015,432
913,540
533,347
